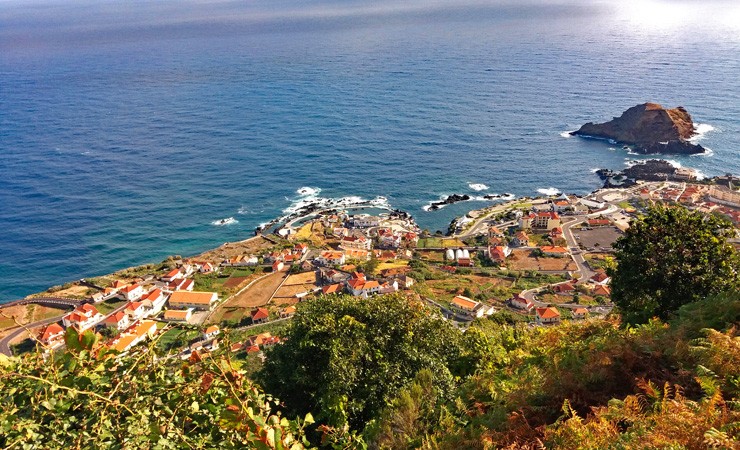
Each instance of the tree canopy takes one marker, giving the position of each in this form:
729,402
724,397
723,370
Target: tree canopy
88,397
671,257
344,358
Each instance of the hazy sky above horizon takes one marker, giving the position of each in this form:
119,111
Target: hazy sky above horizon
57,23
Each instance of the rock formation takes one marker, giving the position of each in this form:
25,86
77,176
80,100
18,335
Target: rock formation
646,170
649,128
454,198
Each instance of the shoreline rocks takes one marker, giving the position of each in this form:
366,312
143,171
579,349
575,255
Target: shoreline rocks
648,128
454,198
647,170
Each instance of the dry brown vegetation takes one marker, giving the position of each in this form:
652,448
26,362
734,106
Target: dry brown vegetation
522,260
251,246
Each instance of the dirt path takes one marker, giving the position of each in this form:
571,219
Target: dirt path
257,294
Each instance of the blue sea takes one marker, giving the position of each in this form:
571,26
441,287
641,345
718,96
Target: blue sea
128,128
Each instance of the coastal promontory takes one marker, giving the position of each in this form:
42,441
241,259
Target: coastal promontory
648,128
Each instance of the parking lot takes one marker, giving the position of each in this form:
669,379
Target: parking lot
597,238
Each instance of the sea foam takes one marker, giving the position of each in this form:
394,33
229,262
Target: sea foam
701,130
549,191
223,222
478,186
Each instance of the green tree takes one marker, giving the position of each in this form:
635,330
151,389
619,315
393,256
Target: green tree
409,417
670,257
345,358
90,397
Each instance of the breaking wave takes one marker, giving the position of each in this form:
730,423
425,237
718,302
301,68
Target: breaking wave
549,191
223,222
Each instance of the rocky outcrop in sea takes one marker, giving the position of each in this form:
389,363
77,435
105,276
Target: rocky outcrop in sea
647,170
648,128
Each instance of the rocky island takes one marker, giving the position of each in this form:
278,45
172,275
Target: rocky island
648,128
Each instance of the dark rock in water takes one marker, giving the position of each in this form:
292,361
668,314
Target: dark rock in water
649,128
454,198
647,170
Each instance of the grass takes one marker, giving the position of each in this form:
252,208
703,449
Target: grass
176,337
273,328
109,305
435,242
391,265
597,262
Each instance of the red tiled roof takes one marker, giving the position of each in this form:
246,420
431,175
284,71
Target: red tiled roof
172,273
50,330
599,277
115,318
332,288
130,288
553,249
548,313
153,295
260,313
464,302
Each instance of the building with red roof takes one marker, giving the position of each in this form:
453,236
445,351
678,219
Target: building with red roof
547,315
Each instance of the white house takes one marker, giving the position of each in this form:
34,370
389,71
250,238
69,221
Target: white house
135,311
600,278
138,333
52,335
547,315
196,300
132,292
178,315
211,332
355,242
520,302
365,221
330,258
83,318
173,274
362,287
119,321
467,306
154,301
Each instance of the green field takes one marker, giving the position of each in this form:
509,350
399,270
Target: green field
434,242
176,338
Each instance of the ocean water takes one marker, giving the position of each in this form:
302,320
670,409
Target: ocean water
128,130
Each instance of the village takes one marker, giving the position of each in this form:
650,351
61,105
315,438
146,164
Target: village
538,261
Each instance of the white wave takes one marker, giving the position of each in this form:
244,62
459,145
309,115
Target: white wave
707,152
307,191
612,141
226,221
594,170
566,134
701,130
478,186
614,149
472,198
630,162
305,203
549,191
242,210
674,163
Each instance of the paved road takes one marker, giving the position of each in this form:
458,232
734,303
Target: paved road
584,272
5,342
45,301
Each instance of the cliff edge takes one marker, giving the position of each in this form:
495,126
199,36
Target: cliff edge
649,128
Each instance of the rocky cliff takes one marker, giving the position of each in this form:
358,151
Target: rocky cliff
649,128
